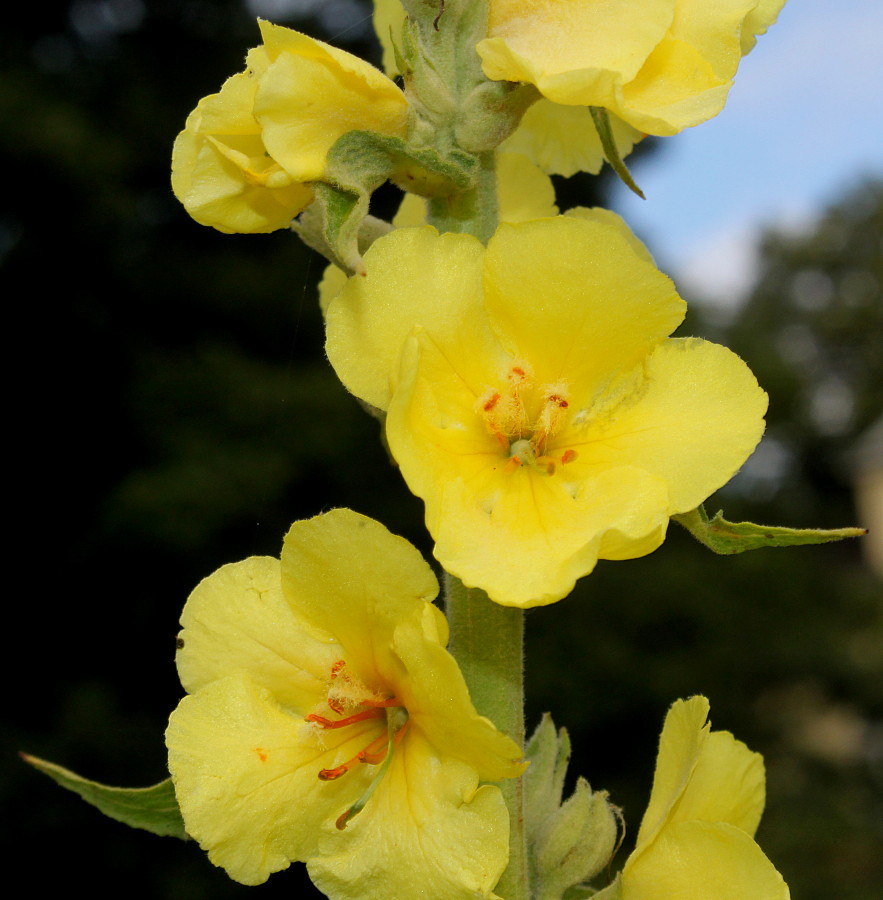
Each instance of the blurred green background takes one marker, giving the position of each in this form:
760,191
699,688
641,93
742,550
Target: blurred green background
177,412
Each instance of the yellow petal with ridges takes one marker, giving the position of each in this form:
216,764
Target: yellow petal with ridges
238,620
246,778
414,277
683,736
698,419
221,171
546,41
596,308
702,861
438,702
312,94
346,574
428,831
563,140
728,785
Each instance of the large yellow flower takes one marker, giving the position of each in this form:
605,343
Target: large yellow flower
696,841
326,722
662,68
248,153
534,400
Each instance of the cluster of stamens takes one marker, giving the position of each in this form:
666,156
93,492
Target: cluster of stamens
353,702
523,418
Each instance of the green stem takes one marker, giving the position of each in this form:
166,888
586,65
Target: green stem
473,211
487,641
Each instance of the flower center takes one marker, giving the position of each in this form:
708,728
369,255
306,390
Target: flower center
524,418
353,702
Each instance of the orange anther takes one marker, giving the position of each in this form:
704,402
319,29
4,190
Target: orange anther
568,456
491,402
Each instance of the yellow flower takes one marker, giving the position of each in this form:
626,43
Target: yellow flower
696,840
325,722
534,400
247,154
661,70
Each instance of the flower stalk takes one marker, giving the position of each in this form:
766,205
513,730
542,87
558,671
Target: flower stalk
487,640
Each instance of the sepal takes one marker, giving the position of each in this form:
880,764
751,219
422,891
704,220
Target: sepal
727,538
568,842
601,119
358,163
154,808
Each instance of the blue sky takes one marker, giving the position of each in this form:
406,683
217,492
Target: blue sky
803,121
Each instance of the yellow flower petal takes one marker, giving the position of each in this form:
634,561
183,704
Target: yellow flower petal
563,140
389,16
702,861
547,42
238,620
312,94
431,832
246,778
683,735
415,276
576,316
520,535
221,171
693,389
663,71
348,575
437,700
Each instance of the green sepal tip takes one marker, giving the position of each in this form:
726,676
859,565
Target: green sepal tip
602,125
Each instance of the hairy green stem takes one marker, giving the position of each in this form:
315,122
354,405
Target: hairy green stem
487,641
473,211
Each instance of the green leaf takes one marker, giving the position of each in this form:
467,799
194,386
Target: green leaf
153,808
611,151
727,538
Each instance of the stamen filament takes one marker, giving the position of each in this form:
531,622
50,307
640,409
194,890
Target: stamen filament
375,713
393,738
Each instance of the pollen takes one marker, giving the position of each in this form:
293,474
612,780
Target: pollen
525,418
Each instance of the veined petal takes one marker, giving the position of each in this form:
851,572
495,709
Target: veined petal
758,21
728,784
684,734
595,308
415,277
702,861
692,389
663,71
599,41
221,171
428,831
238,620
346,574
438,703
563,140
246,778
311,94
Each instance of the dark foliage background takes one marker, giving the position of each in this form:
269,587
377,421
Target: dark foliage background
173,411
